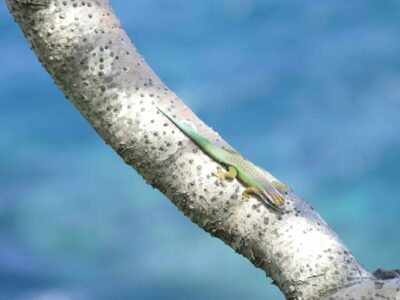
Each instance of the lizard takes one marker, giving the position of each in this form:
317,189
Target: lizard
254,179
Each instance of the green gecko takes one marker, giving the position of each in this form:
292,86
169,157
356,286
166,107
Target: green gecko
250,175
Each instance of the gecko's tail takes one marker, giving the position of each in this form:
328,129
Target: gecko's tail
200,141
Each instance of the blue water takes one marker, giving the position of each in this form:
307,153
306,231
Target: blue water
310,90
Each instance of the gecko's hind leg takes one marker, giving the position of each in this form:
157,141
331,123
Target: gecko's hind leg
250,190
231,174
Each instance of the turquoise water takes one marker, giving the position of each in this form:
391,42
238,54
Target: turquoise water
309,90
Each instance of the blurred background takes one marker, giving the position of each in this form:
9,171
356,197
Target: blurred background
319,85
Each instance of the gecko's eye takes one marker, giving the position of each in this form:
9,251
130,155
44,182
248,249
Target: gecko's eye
275,201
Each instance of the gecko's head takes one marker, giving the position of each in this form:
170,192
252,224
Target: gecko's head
274,200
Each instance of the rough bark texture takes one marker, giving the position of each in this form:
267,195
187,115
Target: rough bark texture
90,57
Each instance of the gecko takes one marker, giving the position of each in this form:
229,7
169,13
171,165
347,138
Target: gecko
254,179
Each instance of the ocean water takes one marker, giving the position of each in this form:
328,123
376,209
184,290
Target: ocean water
310,90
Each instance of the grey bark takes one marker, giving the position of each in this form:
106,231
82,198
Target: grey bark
90,57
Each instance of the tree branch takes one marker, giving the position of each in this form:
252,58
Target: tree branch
90,57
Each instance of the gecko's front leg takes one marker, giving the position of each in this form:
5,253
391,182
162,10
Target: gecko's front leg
280,186
250,190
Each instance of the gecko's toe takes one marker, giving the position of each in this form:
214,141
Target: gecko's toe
220,175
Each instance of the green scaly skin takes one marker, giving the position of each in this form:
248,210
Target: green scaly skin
250,175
